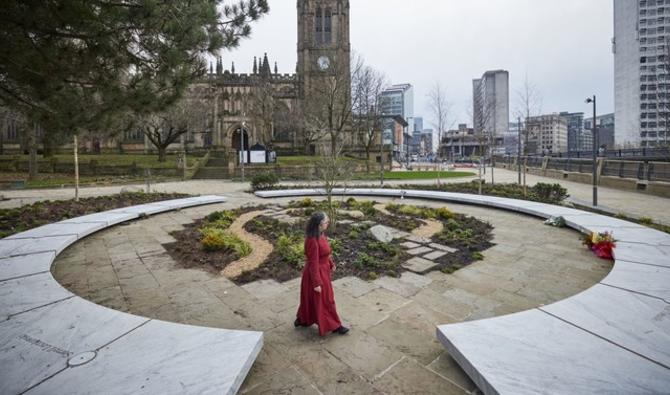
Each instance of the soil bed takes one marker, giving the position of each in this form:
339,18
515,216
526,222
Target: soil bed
355,250
189,252
41,213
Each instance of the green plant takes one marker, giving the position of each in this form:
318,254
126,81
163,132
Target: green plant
372,276
220,219
291,249
477,256
646,221
451,269
264,181
364,260
549,193
219,240
444,213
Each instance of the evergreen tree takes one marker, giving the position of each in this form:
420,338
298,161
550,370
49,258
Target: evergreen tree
76,64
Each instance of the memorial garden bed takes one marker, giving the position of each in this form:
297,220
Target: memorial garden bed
355,249
30,216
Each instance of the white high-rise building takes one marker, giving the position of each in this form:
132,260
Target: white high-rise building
641,81
490,95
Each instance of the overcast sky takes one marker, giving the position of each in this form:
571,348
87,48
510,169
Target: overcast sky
564,46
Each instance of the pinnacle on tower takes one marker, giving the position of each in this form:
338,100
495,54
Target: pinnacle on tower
232,68
211,68
265,68
276,69
255,66
219,65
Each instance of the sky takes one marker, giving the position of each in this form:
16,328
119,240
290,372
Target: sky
563,47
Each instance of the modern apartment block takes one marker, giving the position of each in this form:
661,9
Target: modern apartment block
399,100
641,78
606,131
575,130
490,95
547,134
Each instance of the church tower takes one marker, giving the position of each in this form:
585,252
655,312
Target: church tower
323,40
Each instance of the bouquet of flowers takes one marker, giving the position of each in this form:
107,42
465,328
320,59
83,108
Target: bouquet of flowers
601,244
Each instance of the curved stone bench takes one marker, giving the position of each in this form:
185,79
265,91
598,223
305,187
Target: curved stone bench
54,342
613,338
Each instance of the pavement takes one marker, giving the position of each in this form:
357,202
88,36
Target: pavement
634,204
392,347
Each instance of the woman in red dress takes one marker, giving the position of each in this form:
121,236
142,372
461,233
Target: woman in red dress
317,301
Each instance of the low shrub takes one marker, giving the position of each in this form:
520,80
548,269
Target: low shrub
264,181
291,249
219,240
220,219
549,193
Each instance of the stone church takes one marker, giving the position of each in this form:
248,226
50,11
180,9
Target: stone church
323,41
226,100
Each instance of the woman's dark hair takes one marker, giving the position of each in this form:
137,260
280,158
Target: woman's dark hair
312,228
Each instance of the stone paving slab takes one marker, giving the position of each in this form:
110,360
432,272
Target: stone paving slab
11,248
419,251
417,239
635,322
410,245
419,265
641,253
15,297
174,359
104,217
80,230
355,286
644,279
25,265
434,255
442,247
599,369
33,352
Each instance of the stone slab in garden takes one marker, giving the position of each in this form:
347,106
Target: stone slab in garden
104,217
419,251
419,265
648,280
10,248
630,320
163,358
38,344
642,253
26,293
532,352
80,230
386,234
20,266
52,341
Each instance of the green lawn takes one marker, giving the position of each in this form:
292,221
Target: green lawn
142,161
307,160
46,180
417,175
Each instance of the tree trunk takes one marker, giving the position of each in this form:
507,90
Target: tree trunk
32,151
48,145
367,158
162,153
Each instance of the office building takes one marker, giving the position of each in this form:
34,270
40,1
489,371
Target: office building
490,95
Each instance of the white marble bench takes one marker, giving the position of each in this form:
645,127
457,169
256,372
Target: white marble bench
613,338
54,342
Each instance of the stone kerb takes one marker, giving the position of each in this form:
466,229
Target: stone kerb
54,342
612,338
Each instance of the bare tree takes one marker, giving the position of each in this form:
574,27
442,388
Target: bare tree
367,87
440,108
529,104
165,128
329,103
262,109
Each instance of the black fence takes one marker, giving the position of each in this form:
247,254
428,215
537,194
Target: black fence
656,154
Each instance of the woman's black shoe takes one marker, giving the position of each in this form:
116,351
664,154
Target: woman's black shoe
297,323
342,330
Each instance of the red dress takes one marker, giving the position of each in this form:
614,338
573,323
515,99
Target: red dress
318,308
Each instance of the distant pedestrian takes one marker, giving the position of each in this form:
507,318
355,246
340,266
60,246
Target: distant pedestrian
317,300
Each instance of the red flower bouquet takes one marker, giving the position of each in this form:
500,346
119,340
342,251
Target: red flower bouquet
601,244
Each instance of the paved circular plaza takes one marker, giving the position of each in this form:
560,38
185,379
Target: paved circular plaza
392,347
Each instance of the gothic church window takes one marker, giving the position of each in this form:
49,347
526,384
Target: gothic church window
319,26
328,26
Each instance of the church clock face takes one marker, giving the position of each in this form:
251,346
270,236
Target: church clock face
323,62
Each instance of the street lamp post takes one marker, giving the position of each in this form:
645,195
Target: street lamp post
595,151
242,158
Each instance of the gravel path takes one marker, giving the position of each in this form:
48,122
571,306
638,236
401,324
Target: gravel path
261,248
